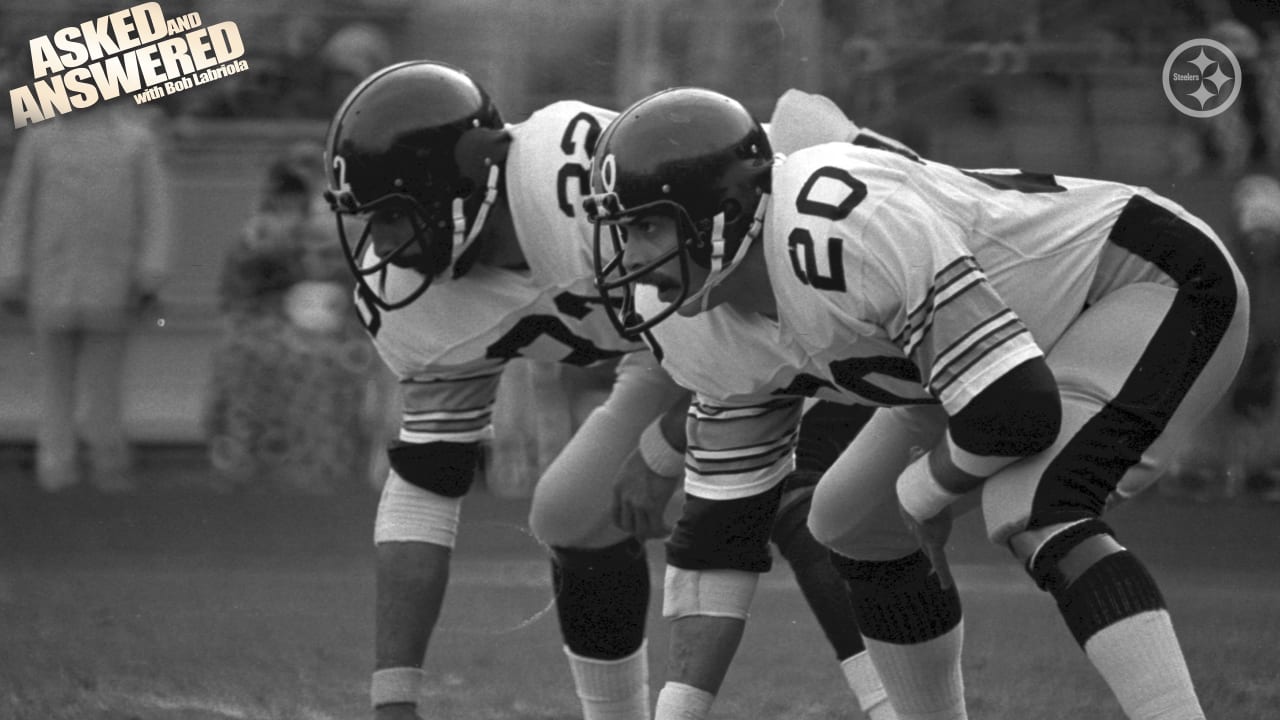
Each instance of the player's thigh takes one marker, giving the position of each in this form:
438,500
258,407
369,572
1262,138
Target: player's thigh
1124,409
573,501
855,505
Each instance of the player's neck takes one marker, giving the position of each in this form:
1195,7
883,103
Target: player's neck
748,288
500,243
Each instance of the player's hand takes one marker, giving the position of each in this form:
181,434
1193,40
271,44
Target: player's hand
399,711
932,535
640,499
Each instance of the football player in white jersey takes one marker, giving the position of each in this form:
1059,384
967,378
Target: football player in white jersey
471,248
1040,345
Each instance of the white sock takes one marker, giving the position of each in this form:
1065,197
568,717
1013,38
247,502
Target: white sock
678,701
612,689
923,679
1141,660
865,683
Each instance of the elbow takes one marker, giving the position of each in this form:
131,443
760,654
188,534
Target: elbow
1042,423
1042,420
1018,415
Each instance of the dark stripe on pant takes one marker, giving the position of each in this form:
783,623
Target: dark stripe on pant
1078,480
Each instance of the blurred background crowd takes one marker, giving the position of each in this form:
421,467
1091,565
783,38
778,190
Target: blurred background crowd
240,341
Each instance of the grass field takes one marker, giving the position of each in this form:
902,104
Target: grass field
183,604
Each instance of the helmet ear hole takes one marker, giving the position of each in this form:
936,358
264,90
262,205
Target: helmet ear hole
702,232
478,149
465,187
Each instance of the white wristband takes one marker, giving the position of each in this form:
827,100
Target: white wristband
919,492
658,454
397,685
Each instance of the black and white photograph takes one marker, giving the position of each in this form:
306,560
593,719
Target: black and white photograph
640,360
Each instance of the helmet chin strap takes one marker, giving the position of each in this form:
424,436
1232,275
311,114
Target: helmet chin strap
461,238
719,268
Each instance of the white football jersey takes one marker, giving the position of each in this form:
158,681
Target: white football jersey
449,346
741,426
750,378
911,281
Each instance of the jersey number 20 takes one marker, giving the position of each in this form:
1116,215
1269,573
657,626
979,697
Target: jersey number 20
801,246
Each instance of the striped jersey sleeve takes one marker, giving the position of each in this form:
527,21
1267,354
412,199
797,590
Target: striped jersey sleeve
944,313
739,450
450,407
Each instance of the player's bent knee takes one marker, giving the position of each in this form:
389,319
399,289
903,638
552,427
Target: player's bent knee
790,528
714,593
1095,581
586,530
835,530
407,513
823,529
878,543
1057,555
570,502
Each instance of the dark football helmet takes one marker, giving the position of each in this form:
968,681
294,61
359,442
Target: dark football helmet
418,141
690,154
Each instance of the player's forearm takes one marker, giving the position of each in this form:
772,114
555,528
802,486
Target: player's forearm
673,423
1018,415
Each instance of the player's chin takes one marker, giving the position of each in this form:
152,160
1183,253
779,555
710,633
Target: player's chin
668,293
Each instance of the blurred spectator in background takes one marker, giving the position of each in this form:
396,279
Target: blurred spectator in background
1246,137
1236,453
350,55
303,75
295,68
84,246
291,402
1256,205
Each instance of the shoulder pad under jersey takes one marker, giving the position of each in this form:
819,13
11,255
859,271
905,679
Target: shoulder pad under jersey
547,172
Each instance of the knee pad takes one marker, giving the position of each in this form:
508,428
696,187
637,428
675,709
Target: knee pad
407,513
899,601
714,593
602,598
725,534
1095,581
790,528
1048,563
